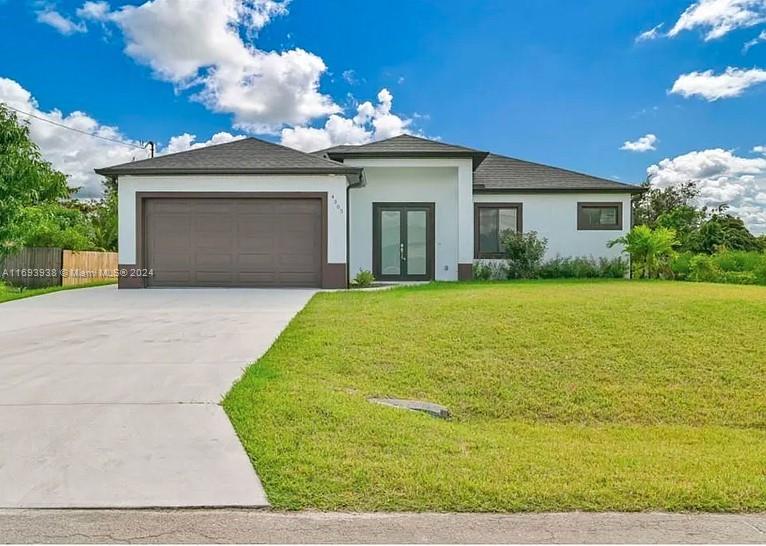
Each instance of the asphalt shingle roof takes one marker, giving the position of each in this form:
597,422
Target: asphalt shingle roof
248,155
499,172
406,144
492,172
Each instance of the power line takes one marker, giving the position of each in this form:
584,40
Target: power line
80,130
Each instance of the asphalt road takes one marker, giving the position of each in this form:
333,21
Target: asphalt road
248,526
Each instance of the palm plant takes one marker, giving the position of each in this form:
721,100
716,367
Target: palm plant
650,250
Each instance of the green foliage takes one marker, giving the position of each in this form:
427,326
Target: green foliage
490,270
26,180
524,253
724,231
650,250
363,279
583,268
685,221
728,266
104,220
52,225
655,203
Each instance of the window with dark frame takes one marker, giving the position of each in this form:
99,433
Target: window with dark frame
599,216
491,220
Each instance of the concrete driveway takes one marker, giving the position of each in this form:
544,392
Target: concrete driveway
111,398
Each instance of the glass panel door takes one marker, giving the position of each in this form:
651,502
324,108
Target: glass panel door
417,241
390,242
403,243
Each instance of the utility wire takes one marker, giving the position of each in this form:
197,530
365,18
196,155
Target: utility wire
76,130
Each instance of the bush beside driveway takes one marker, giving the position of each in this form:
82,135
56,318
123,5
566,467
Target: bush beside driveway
607,395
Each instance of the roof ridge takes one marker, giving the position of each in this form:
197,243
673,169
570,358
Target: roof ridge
558,168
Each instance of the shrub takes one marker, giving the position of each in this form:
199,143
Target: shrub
583,268
493,270
363,279
728,266
680,265
650,250
524,253
481,271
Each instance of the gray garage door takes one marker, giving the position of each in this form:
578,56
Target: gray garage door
233,242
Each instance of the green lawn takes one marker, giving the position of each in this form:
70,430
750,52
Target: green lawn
10,293
611,395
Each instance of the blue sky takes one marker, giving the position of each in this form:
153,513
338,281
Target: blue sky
559,82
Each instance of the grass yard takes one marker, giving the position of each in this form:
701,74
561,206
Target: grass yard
599,395
9,293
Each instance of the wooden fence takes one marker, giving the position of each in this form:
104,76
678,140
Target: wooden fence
32,268
83,267
42,267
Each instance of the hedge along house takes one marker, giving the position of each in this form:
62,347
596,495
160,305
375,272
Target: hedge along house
255,214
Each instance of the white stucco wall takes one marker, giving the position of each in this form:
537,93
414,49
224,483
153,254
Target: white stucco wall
444,182
334,185
554,216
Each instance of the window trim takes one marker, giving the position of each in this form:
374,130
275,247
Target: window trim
476,235
583,226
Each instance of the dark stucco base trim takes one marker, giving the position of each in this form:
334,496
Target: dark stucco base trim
464,272
128,277
334,276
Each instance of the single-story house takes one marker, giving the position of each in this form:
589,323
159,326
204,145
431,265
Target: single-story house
254,213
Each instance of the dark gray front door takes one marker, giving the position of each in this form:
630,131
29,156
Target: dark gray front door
403,241
233,242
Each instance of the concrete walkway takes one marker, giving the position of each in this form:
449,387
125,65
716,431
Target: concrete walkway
254,526
111,398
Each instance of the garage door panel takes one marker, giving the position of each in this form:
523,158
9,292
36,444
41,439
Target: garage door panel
222,277
257,262
234,242
223,261
172,262
171,277
296,279
297,207
258,279
174,206
256,207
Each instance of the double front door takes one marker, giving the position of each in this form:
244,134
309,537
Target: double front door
403,241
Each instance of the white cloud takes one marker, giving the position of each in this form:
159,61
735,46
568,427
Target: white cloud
754,42
730,83
643,144
61,23
350,77
370,123
719,17
759,149
186,141
723,178
94,11
198,45
76,154
650,34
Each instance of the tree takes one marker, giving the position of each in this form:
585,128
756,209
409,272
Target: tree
26,180
52,225
724,231
650,250
104,219
656,202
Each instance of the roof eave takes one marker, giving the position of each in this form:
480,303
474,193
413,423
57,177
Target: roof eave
484,189
477,157
112,171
